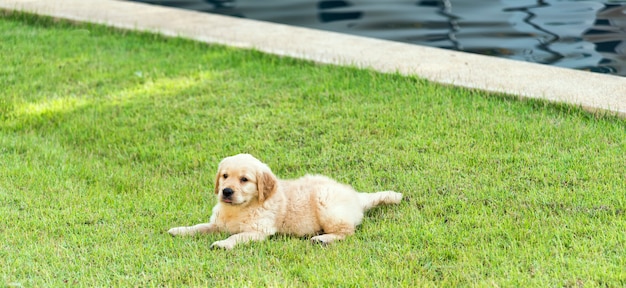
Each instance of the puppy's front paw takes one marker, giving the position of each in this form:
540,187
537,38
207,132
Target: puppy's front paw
180,231
223,244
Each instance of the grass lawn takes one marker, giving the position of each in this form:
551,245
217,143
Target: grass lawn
109,138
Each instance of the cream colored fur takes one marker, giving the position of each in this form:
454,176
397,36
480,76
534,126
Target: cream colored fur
262,205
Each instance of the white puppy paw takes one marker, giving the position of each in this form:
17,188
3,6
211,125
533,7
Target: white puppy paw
323,239
223,244
396,197
180,231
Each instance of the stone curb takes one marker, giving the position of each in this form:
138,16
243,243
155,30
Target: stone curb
591,91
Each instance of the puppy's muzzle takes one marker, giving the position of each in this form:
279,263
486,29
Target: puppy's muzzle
227,195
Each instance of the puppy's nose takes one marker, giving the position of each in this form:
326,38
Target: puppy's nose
227,192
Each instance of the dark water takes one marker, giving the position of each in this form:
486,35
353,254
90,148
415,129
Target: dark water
584,35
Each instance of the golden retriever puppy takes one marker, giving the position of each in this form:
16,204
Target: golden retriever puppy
254,204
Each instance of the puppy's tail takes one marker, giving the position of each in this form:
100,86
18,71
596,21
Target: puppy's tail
371,200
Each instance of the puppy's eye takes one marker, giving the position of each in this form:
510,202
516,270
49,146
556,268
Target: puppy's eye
225,176
244,179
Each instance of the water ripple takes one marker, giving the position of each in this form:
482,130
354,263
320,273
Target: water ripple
584,35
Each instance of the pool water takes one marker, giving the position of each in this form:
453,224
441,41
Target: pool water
584,35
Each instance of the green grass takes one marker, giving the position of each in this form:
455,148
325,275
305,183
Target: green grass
109,138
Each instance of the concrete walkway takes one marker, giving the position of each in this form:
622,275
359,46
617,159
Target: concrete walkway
589,90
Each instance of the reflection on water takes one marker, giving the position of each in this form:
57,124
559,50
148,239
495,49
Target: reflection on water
585,35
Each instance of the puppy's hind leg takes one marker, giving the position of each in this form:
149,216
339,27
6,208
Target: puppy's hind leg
338,219
334,232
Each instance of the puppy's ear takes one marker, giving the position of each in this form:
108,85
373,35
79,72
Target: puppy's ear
217,182
266,184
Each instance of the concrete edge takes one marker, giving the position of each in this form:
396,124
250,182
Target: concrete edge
592,91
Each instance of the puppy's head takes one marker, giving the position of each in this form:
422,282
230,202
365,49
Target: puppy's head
242,179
